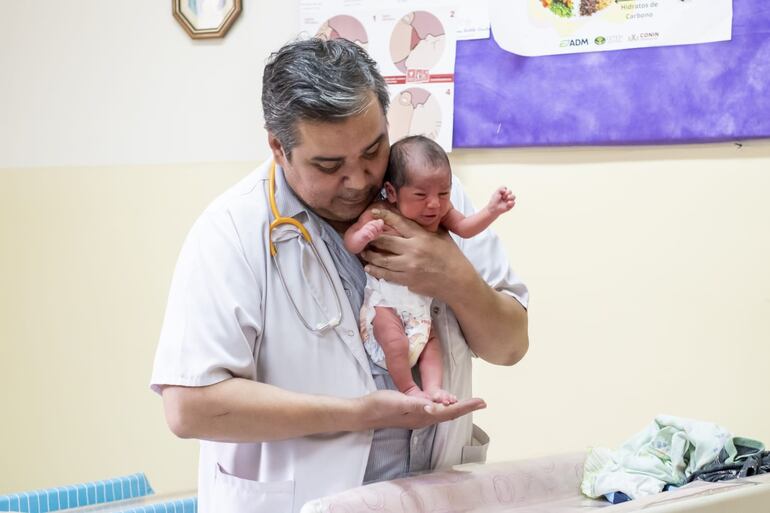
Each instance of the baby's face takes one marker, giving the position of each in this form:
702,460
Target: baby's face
425,196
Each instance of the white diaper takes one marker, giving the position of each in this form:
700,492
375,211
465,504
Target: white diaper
413,309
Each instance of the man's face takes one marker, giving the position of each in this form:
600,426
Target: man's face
337,168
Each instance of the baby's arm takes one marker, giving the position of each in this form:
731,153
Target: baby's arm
456,222
364,231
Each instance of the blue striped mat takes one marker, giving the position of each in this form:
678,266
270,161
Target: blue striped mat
189,505
79,495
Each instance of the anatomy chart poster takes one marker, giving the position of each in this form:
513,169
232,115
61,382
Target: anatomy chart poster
414,46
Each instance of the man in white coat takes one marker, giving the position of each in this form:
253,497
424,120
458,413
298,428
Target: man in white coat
260,356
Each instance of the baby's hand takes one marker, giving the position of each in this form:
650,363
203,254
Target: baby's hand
356,238
502,201
372,230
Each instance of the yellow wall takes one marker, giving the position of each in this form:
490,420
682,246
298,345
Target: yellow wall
648,269
650,277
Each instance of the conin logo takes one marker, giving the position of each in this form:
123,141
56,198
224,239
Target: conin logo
574,42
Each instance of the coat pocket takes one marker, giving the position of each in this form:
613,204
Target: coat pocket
476,452
234,494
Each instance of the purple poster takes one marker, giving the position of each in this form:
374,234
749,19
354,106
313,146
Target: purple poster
676,94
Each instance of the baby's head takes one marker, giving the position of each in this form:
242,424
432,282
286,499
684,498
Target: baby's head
419,180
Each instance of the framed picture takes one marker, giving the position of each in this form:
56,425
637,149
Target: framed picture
204,19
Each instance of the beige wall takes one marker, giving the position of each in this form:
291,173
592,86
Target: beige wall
650,277
648,269
86,261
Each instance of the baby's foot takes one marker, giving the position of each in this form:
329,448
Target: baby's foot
416,392
442,397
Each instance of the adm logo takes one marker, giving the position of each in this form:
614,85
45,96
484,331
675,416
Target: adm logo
574,42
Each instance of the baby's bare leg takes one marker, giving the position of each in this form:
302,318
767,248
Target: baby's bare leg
432,369
389,332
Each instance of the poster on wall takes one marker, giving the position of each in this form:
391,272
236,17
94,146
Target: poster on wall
551,27
413,43
659,95
470,17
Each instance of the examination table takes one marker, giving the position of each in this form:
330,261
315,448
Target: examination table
543,485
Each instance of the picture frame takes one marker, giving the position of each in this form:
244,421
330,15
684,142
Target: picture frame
206,19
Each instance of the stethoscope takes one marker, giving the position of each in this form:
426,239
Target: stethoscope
280,220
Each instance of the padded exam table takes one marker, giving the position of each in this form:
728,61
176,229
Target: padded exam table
543,485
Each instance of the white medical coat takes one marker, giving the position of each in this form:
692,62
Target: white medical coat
229,316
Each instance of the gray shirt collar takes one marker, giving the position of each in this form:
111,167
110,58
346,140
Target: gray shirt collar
349,268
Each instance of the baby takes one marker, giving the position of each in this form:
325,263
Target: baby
395,322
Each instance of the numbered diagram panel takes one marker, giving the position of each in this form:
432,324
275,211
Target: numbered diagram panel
413,44
419,110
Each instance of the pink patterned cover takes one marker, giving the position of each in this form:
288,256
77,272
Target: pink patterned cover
496,487
543,485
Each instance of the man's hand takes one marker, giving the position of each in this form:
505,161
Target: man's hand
244,411
493,323
428,263
390,408
501,202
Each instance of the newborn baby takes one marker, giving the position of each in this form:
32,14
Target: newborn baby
395,322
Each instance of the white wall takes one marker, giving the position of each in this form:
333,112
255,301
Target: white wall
93,82
648,267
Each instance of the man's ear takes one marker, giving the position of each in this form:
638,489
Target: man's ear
390,193
277,148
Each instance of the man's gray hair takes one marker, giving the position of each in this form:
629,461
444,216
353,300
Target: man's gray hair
318,80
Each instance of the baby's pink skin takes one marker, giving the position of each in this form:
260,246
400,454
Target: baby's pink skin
425,200
358,239
389,332
502,201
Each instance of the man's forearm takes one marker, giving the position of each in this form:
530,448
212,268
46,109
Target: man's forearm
240,410
494,324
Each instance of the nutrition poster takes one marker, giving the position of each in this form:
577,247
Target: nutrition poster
414,46
549,27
